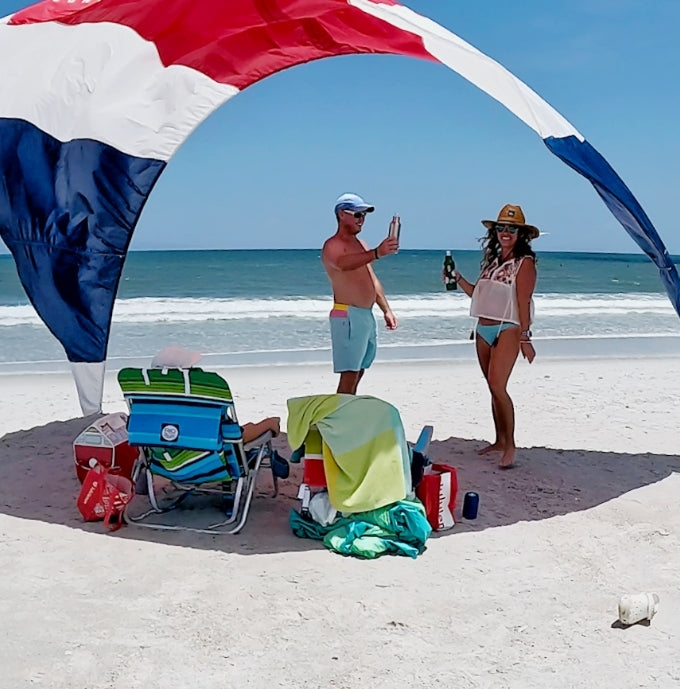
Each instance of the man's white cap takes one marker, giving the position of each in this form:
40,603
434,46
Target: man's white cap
352,202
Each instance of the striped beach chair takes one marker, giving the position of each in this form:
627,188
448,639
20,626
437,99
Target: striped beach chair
185,422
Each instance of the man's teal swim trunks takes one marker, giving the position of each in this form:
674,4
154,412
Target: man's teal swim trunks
353,335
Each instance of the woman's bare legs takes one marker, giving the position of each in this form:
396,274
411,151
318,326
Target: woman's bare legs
255,430
502,360
484,358
497,363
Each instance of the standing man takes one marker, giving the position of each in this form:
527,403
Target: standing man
347,260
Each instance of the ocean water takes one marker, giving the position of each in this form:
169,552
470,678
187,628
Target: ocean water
270,308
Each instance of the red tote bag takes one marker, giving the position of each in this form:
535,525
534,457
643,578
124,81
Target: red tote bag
103,496
437,491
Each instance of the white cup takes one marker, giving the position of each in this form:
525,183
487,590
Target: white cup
636,607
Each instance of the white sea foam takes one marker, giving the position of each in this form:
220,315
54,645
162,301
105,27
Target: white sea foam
183,310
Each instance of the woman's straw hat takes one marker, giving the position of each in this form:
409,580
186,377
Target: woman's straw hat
512,215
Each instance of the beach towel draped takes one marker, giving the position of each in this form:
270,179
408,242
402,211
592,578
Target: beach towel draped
365,454
398,529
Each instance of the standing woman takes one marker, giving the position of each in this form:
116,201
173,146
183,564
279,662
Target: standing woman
503,305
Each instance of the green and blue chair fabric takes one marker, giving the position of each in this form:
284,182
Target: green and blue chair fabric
186,424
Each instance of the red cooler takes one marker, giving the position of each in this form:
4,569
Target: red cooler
105,442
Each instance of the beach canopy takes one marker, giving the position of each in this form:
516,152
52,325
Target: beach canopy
97,95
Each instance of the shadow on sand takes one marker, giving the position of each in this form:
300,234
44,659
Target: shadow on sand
38,482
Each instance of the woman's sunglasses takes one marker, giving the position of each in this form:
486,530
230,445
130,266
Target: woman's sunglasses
356,214
510,229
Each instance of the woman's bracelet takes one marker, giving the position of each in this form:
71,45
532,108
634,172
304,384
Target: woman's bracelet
375,251
525,341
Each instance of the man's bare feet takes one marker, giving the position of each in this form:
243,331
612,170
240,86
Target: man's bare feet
494,447
508,459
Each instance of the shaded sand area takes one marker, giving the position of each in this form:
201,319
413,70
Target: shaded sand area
524,596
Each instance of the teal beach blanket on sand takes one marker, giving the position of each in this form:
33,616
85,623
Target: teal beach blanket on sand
398,529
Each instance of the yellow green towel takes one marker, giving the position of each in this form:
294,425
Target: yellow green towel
366,458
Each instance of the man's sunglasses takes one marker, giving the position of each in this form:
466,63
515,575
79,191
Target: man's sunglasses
356,214
510,229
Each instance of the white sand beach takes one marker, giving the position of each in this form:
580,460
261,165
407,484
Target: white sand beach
524,596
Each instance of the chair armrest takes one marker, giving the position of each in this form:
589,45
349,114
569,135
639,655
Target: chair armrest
260,440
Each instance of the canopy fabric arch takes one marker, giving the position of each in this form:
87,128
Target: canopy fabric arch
97,95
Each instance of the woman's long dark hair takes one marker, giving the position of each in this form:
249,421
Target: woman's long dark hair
491,247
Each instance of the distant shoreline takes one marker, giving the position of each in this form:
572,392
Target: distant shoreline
562,348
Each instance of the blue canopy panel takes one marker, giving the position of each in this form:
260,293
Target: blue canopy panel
67,212
586,160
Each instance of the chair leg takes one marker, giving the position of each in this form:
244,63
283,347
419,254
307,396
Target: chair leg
248,489
142,475
153,499
269,452
151,490
243,495
234,509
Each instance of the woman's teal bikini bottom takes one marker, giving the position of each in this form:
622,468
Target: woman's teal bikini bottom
490,333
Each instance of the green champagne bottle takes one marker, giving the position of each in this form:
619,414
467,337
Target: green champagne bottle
449,272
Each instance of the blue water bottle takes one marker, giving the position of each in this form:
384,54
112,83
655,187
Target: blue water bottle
470,505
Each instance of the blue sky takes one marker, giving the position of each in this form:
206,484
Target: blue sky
415,138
